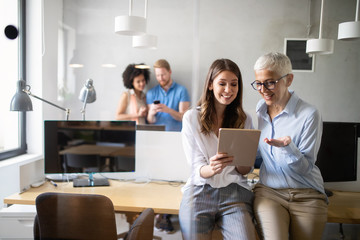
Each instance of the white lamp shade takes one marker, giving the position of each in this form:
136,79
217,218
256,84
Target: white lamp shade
320,46
146,41
108,65
349,30
76,65
130,25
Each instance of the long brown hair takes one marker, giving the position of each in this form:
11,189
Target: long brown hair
234,115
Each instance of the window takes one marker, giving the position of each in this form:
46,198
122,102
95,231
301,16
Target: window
12,124
295,49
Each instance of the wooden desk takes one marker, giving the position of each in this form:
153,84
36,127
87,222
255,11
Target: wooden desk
128,197
163,197
344,207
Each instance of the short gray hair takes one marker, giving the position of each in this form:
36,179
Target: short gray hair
275,62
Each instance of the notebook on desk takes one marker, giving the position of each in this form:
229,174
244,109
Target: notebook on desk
240,143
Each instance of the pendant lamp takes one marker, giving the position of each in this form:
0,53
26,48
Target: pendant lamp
320,45
142,66
350,30
108,61
75,61
146,41
130,25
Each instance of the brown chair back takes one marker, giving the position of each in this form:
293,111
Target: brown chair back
143,227
74,216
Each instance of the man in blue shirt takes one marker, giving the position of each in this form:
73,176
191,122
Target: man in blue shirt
167,101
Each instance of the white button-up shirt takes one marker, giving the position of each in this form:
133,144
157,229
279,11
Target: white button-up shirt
199,148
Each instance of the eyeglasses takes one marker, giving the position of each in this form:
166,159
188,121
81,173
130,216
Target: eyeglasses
269,84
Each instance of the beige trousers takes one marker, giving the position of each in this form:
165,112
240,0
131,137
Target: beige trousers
296,214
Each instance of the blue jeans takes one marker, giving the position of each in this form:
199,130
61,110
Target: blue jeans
229,208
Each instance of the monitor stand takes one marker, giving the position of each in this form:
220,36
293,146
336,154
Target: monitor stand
90,182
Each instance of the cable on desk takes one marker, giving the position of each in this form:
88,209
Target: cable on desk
148,180
118,179
166,182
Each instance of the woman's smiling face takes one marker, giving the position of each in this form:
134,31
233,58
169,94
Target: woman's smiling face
278,95
139,83
225,87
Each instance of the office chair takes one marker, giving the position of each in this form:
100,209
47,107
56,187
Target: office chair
82,162
85,216
74,216
142,228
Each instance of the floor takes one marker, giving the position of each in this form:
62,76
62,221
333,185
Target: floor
350,231
123,226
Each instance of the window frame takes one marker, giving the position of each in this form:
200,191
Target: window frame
301,54
22,149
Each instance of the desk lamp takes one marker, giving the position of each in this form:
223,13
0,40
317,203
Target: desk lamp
87,95
22,102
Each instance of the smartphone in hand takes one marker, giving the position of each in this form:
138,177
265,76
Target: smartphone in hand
156,101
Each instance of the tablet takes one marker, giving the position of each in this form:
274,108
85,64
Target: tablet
240,143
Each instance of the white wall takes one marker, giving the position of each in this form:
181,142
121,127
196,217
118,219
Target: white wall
191,35
18,173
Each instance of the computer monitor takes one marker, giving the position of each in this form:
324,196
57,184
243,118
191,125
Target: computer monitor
338,154
88,147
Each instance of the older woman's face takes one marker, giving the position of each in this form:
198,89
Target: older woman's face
276,96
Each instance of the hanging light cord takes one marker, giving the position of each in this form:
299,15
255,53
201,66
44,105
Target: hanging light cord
308,27
42,28
130,7
146,6
321,19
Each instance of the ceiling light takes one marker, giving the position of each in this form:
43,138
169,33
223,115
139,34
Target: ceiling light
75,61
321,45
145,42
350,30
142,66
130,25
108,65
